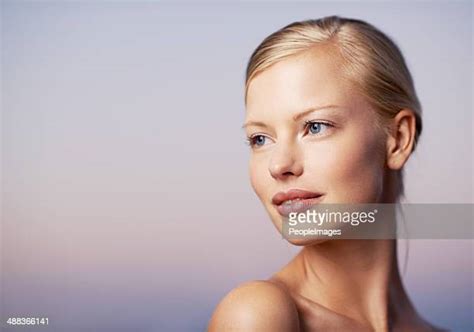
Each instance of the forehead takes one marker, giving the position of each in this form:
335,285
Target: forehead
305,80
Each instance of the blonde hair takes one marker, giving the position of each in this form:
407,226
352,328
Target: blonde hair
370,60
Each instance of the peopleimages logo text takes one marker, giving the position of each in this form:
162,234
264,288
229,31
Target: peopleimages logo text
318,218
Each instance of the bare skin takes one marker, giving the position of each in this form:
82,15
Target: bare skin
320,294
331,285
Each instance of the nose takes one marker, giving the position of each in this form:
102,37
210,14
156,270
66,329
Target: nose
285,163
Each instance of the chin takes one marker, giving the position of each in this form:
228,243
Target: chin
306,242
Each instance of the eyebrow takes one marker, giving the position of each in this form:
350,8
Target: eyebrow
295,117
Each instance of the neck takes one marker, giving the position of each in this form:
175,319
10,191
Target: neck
356,278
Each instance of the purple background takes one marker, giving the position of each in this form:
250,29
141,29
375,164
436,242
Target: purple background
125,194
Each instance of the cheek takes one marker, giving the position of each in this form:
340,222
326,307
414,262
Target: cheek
350,169
257,168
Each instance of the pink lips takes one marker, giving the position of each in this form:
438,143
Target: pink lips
300,201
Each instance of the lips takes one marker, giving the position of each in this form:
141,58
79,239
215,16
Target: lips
295,200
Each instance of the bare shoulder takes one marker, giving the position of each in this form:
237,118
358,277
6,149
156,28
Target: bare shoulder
255,306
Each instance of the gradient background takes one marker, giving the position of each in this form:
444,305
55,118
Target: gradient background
125,194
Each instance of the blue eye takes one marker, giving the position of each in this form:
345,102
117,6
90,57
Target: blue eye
315,127
257,140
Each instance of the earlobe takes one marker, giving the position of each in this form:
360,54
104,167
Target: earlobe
401,139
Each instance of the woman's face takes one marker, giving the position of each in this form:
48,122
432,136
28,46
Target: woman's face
310,130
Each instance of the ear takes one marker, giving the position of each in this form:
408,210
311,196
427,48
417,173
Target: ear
401,139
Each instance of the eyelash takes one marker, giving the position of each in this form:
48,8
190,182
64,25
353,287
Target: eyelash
311,122
250,140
